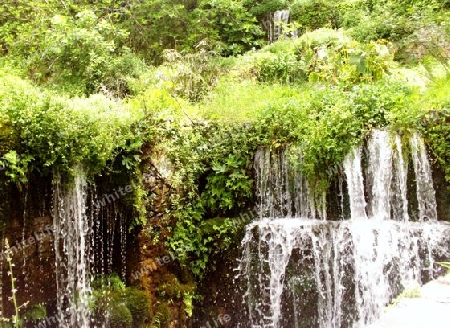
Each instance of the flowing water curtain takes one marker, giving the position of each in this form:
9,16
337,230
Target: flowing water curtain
379,174
73,252
355,184
386,179
425,191
399,196
357,268
281,188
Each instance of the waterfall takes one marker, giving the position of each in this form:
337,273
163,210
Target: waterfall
110,238
399,198
387,179
425,191
72,242
355,184
330,274
302,272
380,174
279,17
281,189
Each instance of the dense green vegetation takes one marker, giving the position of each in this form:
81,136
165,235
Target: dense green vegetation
196,80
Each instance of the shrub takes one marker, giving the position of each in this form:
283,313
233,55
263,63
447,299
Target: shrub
57,131
161,317
229,22
189,76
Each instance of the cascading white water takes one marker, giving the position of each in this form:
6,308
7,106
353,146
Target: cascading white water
425,191
380,174
281,189
72,240
399,199
355,184
345,272
302,272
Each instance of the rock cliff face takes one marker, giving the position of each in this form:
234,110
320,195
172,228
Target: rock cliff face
157,269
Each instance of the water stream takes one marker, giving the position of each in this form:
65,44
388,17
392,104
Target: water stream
72,241
281,190
355,184
425,191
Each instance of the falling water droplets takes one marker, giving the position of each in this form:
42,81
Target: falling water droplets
72,249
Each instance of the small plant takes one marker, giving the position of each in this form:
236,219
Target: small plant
16,319
411,293
120,316
138,303
187,302
162,316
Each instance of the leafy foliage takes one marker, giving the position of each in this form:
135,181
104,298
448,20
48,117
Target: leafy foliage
213,179
436,122
314,14
445,265
59,131
229,22
190,76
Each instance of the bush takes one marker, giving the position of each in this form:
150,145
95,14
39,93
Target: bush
261,7
124,306
189,76
57,131
161,317
229,22
283,68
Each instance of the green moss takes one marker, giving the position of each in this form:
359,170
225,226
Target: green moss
111,297
120,316
35,313
138,302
